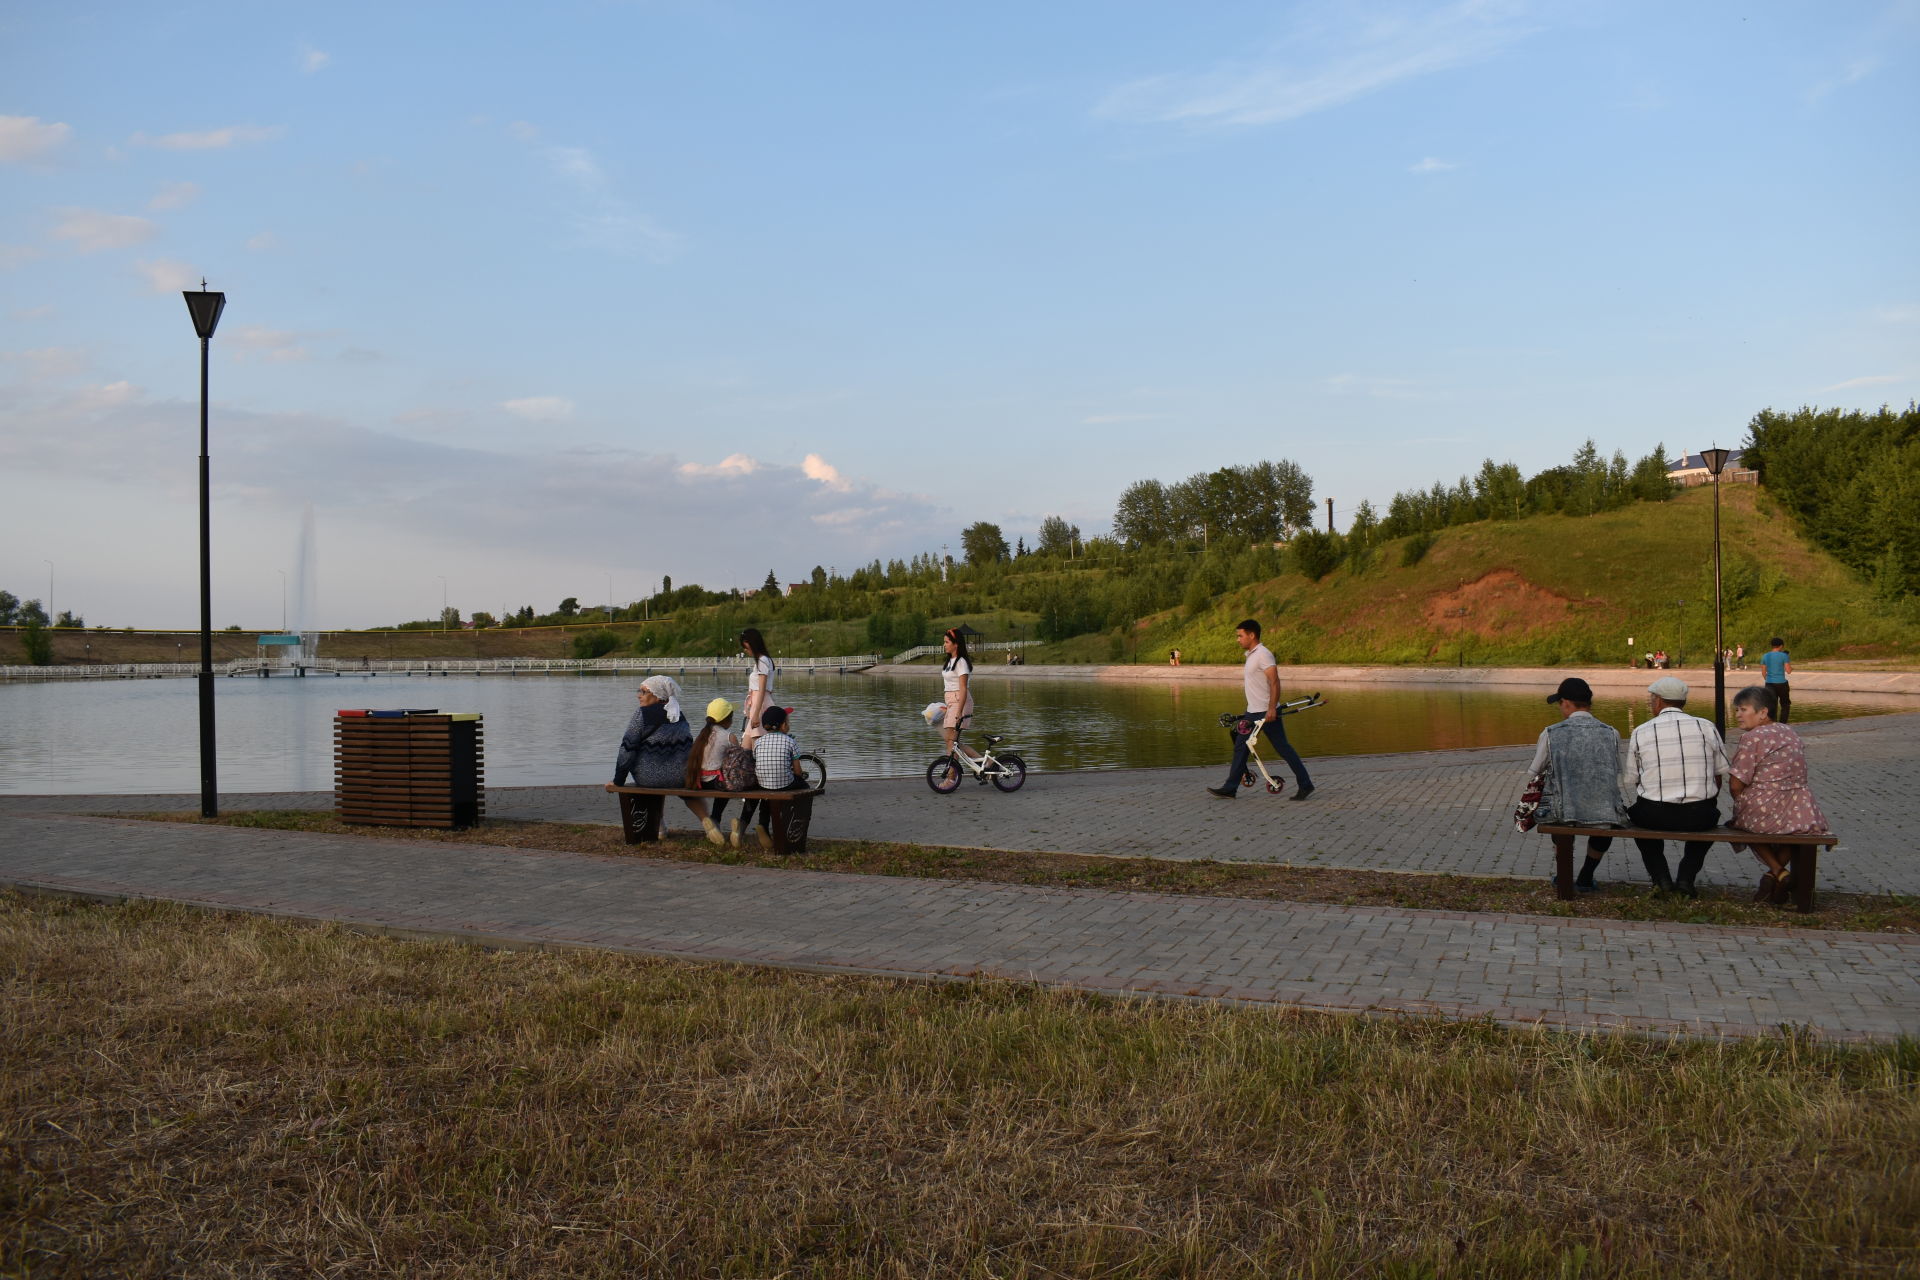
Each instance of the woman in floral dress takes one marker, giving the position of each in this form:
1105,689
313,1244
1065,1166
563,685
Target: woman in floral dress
1769,781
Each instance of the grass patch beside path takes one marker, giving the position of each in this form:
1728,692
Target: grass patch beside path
1853,912
189,1093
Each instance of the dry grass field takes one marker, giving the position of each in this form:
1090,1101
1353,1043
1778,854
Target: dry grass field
192,1094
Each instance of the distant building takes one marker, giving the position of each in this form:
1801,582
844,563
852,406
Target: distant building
1692,470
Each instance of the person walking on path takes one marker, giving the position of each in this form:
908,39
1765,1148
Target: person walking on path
1262,681
1579,759
956,689
759,675
1778,665
1674,765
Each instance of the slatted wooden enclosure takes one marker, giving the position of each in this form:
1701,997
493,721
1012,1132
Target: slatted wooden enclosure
408,768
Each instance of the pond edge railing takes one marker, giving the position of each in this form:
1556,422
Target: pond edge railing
840,664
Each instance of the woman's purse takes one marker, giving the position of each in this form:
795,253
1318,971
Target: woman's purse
1526,814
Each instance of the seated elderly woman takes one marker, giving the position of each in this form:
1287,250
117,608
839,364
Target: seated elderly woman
654,749
1769,781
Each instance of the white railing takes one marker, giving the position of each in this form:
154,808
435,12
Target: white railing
925,650
430,666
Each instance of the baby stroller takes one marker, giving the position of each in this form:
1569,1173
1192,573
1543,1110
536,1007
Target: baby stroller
1247,724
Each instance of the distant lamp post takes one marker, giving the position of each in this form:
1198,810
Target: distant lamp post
1716,461
205,308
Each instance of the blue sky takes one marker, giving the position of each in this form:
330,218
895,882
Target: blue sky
531,298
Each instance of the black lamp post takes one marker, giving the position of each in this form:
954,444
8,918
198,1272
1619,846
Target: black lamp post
1716,460
205,309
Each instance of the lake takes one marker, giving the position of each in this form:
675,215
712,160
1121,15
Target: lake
140,736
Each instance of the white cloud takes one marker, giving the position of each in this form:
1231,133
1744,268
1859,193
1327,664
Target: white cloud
274,346
540,408
1871,380
523,131
1851,74
207,140
110,396
312,60
602,219
91,231
262,242
1900,313
1342,56
15,255
166,275
815,467
577,165
1432,164
734,464
27,138
175,195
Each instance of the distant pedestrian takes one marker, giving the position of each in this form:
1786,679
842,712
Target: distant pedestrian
1740,657
1261,681
1777,665
759,675
1173,657
1579,761
1674,765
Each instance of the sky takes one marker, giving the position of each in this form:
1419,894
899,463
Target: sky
530,301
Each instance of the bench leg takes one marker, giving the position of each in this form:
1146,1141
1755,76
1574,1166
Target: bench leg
640,818
777,824
1563,868
1806,858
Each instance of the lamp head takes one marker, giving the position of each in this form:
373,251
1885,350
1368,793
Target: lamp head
1715,459
205,308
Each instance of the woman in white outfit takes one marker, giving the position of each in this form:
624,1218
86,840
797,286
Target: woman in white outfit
956,678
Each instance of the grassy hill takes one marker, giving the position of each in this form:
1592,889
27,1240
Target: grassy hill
1545,590
1564,589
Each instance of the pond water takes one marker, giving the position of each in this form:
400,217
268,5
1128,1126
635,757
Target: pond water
140,736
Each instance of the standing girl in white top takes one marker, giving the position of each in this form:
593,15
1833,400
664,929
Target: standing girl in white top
759,675
956,676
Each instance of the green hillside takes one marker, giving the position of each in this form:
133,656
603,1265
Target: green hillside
1565,589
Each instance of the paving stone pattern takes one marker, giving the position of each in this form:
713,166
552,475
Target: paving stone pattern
1548,971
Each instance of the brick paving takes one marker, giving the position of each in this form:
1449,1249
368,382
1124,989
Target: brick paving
1548,971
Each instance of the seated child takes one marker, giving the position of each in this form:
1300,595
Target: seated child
774,766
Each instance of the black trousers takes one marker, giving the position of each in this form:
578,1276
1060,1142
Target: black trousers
1780,693
1660,815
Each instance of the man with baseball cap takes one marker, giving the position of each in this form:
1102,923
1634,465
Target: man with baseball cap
1675,763
1579,760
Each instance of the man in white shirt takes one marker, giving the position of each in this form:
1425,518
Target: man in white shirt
1674,766
1262,681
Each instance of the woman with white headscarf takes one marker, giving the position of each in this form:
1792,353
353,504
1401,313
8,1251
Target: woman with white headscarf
654,749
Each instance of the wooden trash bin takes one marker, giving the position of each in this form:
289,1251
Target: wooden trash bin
409,768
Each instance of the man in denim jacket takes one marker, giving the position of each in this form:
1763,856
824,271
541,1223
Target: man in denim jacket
1581,759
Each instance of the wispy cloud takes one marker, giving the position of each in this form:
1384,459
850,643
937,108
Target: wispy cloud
17,255
48,364
262,242
1853,73
1899,313
274,346
1343,55
815,467
1353,384
601,219
1870,380
91,231
312,59
734,464
540,408
577,165
175,195
165,275
1432,164
207,140
29,138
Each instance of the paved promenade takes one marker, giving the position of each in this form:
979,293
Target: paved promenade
1549,971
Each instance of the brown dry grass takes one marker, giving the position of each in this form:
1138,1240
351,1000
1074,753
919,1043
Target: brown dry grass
1849,911
187,1093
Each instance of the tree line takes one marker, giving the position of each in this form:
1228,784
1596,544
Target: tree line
1498,491
1851,482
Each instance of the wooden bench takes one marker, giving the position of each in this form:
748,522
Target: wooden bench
1802,862
789,813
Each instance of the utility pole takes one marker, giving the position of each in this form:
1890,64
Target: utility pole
1329,515
944,557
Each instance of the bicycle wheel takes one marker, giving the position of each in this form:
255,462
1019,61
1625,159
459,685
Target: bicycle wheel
943,775
813,768
1012,772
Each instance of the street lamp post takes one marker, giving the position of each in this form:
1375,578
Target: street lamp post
283,602
1716,460
205,308
51,615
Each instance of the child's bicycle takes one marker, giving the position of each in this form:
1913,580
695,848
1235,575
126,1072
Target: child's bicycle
1247,724
1006,772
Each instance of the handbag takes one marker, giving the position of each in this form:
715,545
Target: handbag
1526,814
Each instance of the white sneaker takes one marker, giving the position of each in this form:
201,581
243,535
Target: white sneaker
733,834
713,832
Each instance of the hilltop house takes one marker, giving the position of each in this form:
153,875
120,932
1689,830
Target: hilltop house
1692,470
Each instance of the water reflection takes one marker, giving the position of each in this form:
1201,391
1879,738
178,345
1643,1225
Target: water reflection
141,736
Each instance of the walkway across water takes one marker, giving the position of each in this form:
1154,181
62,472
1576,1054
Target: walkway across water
1556,972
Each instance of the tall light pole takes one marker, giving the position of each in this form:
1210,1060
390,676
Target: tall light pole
1716,459
205,308
51,615
283,602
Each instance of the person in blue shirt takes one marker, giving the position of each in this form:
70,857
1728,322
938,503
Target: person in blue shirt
1778,665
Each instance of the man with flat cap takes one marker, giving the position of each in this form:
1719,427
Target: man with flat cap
1675,764
1580,760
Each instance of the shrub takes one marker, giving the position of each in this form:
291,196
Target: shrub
36,641
595,644
1415,549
